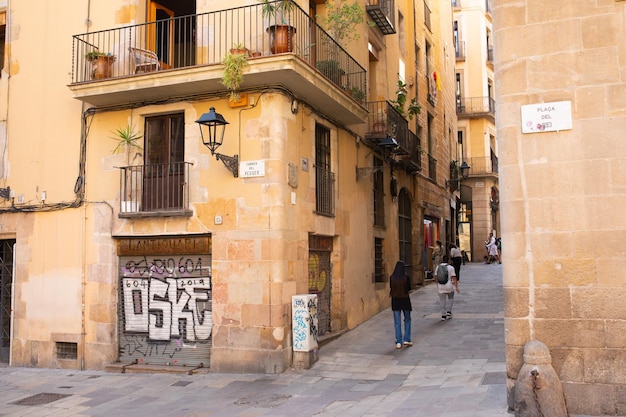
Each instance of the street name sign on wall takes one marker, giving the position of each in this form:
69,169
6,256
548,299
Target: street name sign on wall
250,169
547,117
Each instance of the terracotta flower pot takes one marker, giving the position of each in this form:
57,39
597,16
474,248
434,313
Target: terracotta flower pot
281,38
101,67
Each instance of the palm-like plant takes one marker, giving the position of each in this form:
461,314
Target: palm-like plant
271,9
127,139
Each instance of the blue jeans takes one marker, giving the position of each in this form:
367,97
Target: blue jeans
397,322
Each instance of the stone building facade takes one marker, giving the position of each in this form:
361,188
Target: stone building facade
173,253
560,94
478,211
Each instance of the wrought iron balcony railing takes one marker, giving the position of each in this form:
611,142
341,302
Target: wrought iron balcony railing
483,166
432,168
382,13
475,106
385,120
204,39
157,188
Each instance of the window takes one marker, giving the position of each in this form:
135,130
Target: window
324,178
432,146
3,28
164,168
379,269
67,350
379,194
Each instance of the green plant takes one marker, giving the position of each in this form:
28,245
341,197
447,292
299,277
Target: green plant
126,140
233,73
271,9
358,94
341,20
399,103
238,47
93,55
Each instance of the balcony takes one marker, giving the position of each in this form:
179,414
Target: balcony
157,189
382,13
484,166
459,51
180,58
476,107
385,120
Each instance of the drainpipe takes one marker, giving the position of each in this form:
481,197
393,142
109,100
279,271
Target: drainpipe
538,390
83,239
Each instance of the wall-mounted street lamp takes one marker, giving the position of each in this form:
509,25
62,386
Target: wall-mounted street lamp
464,168
214,124
390,145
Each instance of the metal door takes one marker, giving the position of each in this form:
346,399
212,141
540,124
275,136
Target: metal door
165,309
320,279
6,283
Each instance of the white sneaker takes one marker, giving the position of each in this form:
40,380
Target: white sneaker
398,345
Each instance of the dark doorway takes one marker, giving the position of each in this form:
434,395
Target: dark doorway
6,284
172,37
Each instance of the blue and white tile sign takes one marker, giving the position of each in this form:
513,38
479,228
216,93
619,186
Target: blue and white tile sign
547,117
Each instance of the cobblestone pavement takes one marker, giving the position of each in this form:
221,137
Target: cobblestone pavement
456,368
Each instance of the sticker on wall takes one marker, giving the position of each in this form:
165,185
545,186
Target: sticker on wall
547,117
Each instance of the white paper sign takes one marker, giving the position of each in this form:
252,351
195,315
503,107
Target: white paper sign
547,117
249,169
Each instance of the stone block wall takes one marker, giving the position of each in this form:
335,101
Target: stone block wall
562,192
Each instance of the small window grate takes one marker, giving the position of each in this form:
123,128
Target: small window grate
67,350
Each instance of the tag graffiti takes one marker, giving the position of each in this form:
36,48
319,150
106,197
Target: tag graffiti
167,299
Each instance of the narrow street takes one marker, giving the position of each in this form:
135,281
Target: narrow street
456,368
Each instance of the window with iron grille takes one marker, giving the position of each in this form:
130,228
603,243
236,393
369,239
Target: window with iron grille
67,350
324,178
379,194
379,269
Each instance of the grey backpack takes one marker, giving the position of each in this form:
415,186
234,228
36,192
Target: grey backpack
442,274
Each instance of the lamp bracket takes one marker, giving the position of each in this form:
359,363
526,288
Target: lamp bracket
361,172
230,162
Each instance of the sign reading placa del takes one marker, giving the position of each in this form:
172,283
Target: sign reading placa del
547,117
250,169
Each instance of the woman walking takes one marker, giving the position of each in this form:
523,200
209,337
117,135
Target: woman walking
399,287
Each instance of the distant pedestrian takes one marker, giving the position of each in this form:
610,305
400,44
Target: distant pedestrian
399,287
446,291
492,250
457,259
438,253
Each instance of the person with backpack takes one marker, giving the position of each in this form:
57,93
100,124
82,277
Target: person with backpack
446,285
400,285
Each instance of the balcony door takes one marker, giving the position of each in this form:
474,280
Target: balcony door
164,171
172,39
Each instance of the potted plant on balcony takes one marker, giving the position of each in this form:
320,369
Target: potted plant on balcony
340,21
380,121
101,64
281,33
127,140
234,63
400,102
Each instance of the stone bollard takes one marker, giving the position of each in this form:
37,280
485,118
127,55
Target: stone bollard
538,390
